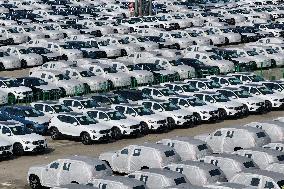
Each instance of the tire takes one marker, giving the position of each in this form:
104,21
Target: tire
268,105
2,67
222,114
11,98
198,119
86,138
35,182
246,110
18,149
24,64
144,128
116,133
54,133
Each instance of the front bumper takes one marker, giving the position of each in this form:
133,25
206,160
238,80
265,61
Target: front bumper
35,148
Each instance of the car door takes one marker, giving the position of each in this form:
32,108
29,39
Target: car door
50,175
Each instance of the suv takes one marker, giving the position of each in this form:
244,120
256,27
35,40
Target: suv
247,77
203,84
120,124
78,125
225,80
147,117
175,115
158,92
77,103
5,148
109,98
132,94
22,139
181,88
49,108
227,108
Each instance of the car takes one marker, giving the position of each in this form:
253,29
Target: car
78,125
181,88
119,124
106,99
21,138
226,107
34,120
114,182
147,117
275,86
247,77
263,157
201,111
230,164
203,83
175,115
225,80
272,100
6,149
188,148
50,108
208,173
159,178
14,91
259,179
66,84
46,54
40,88
136,157
252,104
273,129
158,92
73,169
234,138
133,95
79,103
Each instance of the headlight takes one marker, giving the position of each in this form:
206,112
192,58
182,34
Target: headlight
150,121
27,142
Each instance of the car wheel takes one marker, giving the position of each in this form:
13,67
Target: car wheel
35,182
246,111
144,128
2,67
54,133
116,133
222,114
18,149
268,105
24,64
197,119
86,139
11,98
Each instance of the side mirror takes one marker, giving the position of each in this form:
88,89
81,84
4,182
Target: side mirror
75,123
233,97
257,93
79,107
160,110
180,91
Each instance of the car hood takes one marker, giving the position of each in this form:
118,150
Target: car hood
30,137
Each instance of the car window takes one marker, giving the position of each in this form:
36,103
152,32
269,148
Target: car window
130,111
39,107
255,181
48,108
156,92
102,115
67,102
201,85
124,151
120,109
147,105
5,130
269,185
77,104
230,134
66,166
137,152
54,165
156,106
218,133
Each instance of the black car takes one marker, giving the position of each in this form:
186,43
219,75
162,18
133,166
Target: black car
201,70
132,94
40,88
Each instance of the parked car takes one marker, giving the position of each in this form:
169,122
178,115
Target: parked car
21,138
74,169
50,108
136,157
234,138
188,148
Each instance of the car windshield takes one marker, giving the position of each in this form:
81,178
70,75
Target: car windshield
38,82
256,78
89,103
180,180
220,98
116,115
32,113
85,120
234,81
252,53
188,88
170,106
62,77
242,94
143,111
167,92
175,35
12,83
29,29
248,164
195,102
281,183
87,74
213,85
214,172
202,147
215,57
100,167
61,108
20,130
265,90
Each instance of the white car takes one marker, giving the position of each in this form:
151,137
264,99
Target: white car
8,62
149,120
74,169
234,138
158,92
78,125
119,124
21,138
12,88
79,103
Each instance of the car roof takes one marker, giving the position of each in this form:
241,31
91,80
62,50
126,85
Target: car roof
87,159
232,156
265,150
187,139
165,172
201,165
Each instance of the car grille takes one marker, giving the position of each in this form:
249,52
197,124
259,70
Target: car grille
134,127
2,148
161,122
38,142
104,131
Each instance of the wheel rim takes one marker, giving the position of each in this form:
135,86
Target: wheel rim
54,134
34,182
18,149
85,139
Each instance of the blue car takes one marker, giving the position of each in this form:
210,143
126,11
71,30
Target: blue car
30,117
